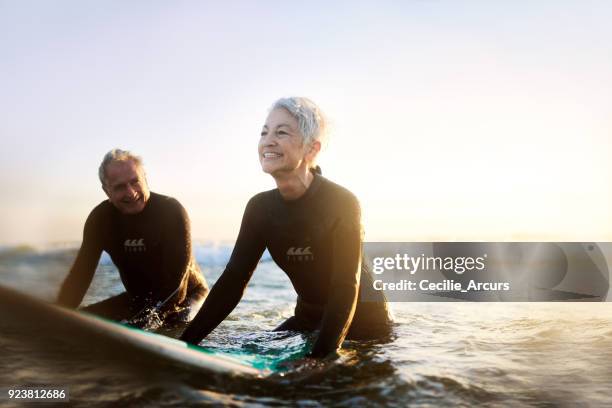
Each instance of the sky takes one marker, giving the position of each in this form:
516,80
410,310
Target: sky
450,120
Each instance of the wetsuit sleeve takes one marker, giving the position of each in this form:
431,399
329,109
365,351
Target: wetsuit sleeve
176,255
229,288
79,278
344,285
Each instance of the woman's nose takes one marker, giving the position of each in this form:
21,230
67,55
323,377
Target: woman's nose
268,140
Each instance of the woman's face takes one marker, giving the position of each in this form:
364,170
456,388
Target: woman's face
281,149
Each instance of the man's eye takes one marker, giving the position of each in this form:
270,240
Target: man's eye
281,133
263,134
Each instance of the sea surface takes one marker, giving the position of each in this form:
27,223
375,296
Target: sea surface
441,354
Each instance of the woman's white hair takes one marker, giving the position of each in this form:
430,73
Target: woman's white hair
312,122
116,155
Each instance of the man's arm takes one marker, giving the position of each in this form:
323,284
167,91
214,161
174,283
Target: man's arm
176,255
344,285
79,278
228,290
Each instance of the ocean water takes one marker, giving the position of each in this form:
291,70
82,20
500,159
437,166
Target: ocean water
440,354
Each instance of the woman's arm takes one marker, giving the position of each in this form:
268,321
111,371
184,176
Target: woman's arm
344,285
228,290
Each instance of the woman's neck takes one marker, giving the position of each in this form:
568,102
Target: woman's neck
294,185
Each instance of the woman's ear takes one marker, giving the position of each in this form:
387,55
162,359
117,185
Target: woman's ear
313,151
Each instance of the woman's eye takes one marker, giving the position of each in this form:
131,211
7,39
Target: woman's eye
263,134
282,133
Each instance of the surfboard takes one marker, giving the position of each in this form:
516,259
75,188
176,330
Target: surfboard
28,316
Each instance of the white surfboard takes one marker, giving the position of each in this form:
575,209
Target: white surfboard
30,315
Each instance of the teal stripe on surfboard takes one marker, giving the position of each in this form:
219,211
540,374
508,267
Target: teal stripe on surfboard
265,363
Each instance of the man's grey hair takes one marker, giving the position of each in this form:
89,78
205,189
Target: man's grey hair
116,155
312,122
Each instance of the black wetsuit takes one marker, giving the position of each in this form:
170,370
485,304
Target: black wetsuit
151,250
317,241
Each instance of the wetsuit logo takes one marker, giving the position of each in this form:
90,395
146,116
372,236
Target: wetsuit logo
134,245
299,254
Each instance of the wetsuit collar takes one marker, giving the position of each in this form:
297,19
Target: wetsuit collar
312,189
152,197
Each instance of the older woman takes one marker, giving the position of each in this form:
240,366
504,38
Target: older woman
312,229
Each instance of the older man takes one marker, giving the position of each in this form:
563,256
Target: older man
147,236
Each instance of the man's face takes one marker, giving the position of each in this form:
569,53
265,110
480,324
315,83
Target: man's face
126,187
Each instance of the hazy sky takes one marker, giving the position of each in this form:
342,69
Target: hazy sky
452,120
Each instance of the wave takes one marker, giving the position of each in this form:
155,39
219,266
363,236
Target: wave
208,254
